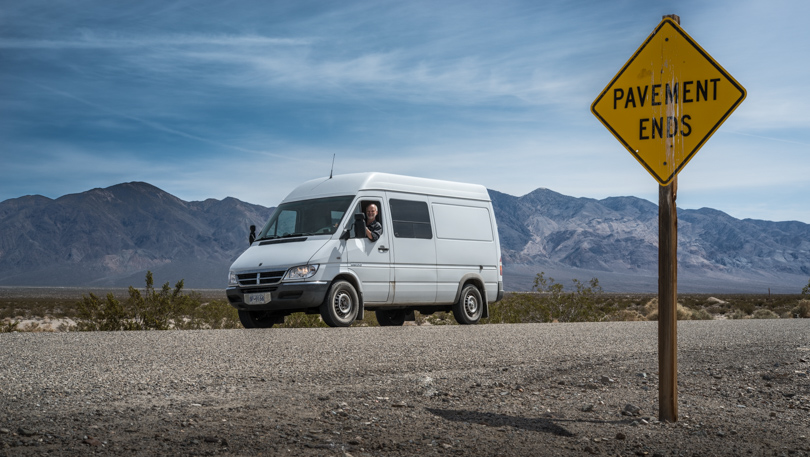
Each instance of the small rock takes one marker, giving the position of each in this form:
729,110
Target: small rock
399,404
607,380
92,441
5,431
356,441
721,433
587,408
26,431
621,436
631,410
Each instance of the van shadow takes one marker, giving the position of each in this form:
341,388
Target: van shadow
540,424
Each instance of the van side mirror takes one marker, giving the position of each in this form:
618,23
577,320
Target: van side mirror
345,235
359,225
252,236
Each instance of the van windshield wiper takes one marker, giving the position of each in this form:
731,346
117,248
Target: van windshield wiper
290,235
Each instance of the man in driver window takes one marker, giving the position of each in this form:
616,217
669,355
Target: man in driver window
373,226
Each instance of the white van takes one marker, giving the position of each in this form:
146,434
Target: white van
438,251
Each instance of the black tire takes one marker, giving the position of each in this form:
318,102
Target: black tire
390,317
469,307
341,305
259,319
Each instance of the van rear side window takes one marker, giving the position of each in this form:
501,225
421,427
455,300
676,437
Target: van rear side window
411,219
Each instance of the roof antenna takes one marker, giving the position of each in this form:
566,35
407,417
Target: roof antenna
333,166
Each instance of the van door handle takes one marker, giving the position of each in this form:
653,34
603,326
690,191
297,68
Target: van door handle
382,249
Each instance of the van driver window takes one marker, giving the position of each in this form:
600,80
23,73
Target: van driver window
371,210
411,219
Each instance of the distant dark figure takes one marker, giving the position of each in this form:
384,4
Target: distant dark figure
252,236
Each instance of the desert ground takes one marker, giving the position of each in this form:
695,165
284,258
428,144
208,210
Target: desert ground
511,390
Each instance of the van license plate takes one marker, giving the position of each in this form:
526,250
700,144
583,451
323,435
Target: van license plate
257,299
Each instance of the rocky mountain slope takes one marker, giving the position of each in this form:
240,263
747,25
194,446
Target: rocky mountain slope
110,237
617,238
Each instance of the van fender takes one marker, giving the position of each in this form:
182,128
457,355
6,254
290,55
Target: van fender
349,275
478,281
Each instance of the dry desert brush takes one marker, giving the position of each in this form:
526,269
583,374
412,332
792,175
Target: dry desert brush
153,309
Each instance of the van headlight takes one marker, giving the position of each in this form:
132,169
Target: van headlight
232,279
301,272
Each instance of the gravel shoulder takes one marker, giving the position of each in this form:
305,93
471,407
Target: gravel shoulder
512,390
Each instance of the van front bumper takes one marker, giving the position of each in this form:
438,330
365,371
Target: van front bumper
283,296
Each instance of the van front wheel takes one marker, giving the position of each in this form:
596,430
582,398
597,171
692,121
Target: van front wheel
469,307
341,305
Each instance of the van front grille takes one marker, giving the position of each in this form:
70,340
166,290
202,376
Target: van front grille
260,278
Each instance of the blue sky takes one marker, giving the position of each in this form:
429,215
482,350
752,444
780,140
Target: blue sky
249,98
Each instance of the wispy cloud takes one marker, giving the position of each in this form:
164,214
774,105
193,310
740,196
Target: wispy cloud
91,40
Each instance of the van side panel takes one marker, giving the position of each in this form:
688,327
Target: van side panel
465,245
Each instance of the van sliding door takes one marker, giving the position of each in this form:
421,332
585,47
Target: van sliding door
414,250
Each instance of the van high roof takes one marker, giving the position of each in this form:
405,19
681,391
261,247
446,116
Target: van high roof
350,184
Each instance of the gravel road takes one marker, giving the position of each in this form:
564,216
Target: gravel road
512,390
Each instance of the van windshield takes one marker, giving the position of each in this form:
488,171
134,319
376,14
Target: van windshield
319,216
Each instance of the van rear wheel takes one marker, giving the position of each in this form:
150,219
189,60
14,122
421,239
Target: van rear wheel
390,317
341,305
259,319
469,307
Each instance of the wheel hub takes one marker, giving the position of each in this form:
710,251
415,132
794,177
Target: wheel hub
471,305
343,303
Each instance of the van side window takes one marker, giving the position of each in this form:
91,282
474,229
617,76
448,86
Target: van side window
411,219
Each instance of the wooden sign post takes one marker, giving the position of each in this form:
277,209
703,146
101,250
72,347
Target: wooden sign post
663,105
667,302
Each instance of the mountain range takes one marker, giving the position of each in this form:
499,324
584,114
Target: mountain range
111,237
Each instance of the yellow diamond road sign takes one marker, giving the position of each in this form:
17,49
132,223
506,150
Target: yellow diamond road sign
667,100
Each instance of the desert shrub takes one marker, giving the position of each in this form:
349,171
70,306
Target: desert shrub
806,289
802,309
298,320
153,309
682,313
764,314
443,318
513,309
216,314
549,302
625,315
95,314
8,326
702,315
744,306
739,314
157,310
